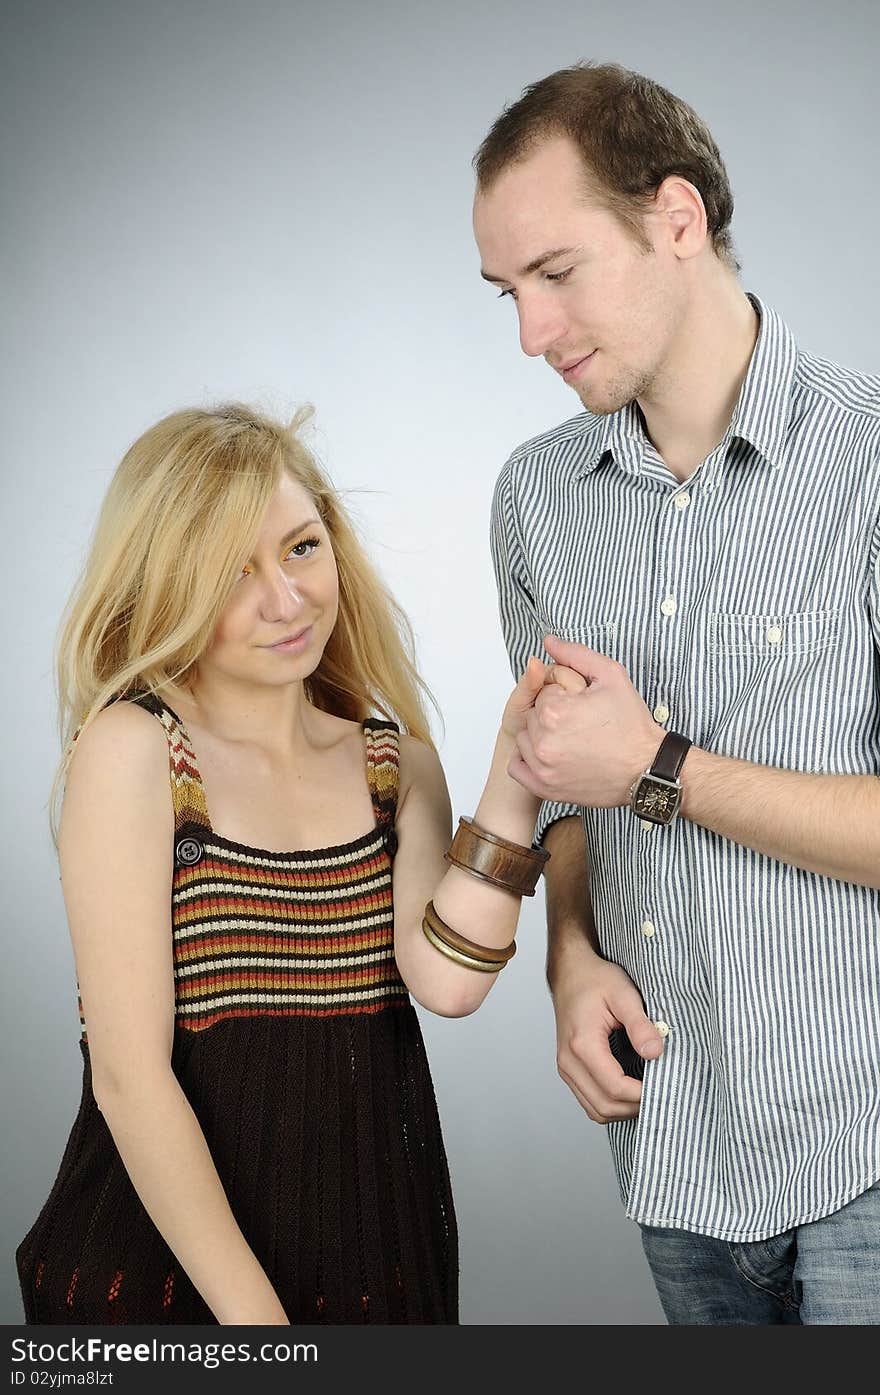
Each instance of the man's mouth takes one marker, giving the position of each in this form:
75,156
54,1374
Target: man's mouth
574,367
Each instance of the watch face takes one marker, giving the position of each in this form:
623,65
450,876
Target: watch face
655,799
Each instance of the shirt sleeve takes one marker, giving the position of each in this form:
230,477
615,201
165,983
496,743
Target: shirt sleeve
874,590
521,625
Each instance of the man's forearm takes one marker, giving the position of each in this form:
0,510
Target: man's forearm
828,824
571,928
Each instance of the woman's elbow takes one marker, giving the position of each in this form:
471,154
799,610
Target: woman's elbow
452,1000
117,1090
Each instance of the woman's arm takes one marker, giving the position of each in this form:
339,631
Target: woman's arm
481,912
115,847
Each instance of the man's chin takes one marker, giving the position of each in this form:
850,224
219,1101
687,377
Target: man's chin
600,407
614,399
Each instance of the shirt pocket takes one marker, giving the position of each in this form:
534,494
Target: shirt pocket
768,684
599,635
772,638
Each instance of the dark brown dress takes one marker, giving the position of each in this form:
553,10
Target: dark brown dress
299,1050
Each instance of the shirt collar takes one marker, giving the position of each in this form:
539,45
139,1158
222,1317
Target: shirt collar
762,412
764,407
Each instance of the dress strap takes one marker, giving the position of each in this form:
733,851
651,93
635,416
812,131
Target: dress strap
383,774
187,791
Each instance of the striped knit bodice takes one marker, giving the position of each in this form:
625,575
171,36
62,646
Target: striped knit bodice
258,933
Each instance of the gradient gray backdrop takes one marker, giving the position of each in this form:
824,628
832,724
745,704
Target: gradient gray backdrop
271,201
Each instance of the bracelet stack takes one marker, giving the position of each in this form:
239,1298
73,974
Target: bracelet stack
460,950
492,859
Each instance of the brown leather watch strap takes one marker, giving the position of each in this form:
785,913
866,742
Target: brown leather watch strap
670,757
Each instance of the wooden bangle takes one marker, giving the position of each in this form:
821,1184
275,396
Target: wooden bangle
455,941
497,860
464,959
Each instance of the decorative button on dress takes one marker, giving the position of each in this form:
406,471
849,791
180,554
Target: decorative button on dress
301,1055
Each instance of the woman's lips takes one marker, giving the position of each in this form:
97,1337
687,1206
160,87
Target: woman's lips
295,644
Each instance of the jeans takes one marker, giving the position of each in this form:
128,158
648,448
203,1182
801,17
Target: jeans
827,1271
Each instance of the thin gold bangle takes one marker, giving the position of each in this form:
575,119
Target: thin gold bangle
493,955
463,959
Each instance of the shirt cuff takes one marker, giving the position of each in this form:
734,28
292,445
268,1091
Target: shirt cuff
549,813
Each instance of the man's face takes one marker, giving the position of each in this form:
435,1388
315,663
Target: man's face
602,310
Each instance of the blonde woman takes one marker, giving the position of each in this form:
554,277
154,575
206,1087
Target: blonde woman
257,1140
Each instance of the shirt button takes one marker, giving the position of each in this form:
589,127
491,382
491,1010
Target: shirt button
682,500
662,1028
648,928
774,634
648,825
668,605
661,712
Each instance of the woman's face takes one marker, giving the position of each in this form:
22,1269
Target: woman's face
283,607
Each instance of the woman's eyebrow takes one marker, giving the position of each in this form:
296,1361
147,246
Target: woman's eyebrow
289,537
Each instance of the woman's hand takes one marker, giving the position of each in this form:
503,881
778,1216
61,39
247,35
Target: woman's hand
534,678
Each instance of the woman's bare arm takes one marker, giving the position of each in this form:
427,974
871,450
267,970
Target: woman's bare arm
481,912
115,848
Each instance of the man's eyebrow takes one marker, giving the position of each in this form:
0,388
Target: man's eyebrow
535,264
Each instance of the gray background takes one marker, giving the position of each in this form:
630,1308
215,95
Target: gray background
272,201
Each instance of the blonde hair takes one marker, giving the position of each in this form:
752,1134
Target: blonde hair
177,524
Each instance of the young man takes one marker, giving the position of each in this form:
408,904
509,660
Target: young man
703,542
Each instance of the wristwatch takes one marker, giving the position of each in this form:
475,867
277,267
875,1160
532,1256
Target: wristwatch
656,795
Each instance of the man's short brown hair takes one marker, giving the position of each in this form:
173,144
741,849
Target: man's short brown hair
631,133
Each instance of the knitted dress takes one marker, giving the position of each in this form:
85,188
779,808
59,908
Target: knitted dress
299,1050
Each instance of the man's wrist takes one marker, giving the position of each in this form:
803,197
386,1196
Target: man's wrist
569,952
696,763
649,745
656,793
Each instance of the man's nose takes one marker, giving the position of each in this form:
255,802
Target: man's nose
541,325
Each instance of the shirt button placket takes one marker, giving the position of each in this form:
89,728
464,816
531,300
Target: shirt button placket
672,545
672,549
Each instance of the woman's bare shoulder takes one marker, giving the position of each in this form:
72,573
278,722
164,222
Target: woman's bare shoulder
420,769
123,732
118,776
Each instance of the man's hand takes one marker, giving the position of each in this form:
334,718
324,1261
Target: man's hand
535,677
591,999
588,746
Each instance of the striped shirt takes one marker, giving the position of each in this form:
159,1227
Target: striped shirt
745,605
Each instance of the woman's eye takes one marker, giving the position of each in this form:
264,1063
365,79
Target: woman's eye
304,548
511,293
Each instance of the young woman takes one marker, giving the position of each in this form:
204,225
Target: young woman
257,1140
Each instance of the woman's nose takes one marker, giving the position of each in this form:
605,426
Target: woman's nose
282,599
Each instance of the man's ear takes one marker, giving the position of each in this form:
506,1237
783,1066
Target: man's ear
680,215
